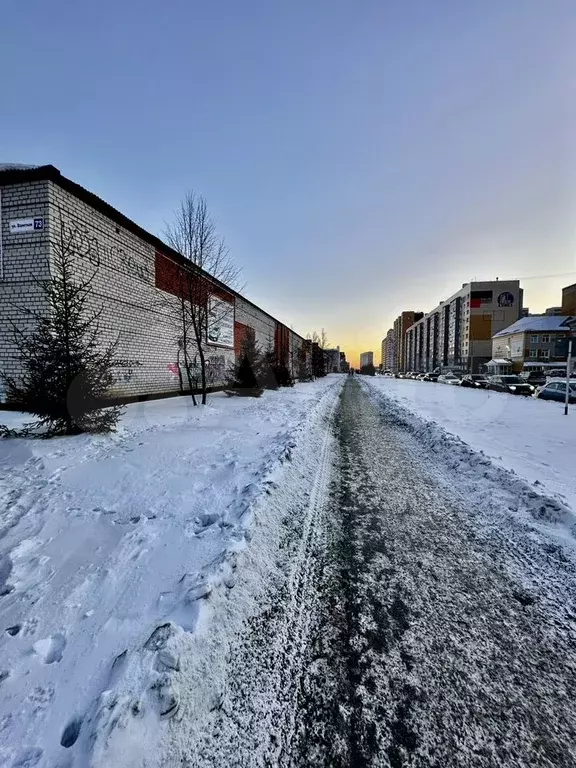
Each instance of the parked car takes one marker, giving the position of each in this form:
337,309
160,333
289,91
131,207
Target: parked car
474,381
420,376
511,384
536,378
448,378
430,377
556,390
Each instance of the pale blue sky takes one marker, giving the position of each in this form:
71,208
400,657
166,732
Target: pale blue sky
361,157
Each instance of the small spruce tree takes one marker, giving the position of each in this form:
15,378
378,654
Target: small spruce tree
66,371
266,373
244,375
282,371
303,371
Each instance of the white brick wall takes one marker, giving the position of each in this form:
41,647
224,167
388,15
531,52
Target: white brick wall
133,310
24,261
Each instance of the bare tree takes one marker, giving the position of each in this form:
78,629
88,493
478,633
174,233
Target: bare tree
193,235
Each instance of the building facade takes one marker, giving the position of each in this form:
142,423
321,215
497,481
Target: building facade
366,358
333,357
390,349
134,284
457,334
569,300
532,343
401,325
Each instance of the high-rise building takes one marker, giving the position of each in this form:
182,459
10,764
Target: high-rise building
458,333
390,360
569,300
401,325
366,358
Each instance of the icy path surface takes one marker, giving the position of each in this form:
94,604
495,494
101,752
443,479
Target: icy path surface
531,437
401,614
113,554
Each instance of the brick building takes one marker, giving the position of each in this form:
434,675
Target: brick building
135,282
569,300
457,334
401,325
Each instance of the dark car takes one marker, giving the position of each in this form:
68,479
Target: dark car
511,384
536,378
474,381
556,390
430,377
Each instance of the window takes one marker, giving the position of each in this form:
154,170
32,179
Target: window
545,339
533,353
545,353
533,339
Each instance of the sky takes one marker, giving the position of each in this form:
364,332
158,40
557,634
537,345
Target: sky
361,157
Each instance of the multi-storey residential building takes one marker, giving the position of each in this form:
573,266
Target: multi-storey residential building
532,343
366,358
383,354
401,325
457,334
569,300
390,359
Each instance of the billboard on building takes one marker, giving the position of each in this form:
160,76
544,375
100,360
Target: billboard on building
220,330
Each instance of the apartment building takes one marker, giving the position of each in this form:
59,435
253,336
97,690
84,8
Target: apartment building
457,334
401,325
366,358
569,300
390,359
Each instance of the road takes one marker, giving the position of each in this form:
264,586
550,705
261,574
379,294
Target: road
409,629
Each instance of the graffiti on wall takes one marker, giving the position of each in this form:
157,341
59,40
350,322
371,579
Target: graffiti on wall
123,376
87,246
215,370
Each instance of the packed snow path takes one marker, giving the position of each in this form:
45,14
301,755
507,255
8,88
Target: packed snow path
401,620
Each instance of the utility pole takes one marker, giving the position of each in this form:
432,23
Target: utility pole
568,371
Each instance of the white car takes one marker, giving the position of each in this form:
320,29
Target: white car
448,378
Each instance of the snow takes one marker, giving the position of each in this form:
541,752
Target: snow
104,539
16,167
529,437
536,323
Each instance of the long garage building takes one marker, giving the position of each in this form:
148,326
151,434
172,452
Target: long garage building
134,283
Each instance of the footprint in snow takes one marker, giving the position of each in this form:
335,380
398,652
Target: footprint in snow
71,732
50,649
28,758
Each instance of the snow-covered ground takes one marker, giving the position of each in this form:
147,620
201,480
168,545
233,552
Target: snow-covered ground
531,437
105,539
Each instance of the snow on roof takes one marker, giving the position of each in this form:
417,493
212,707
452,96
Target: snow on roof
16,167
536,323
499,361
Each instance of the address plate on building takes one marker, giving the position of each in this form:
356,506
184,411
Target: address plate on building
22,226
